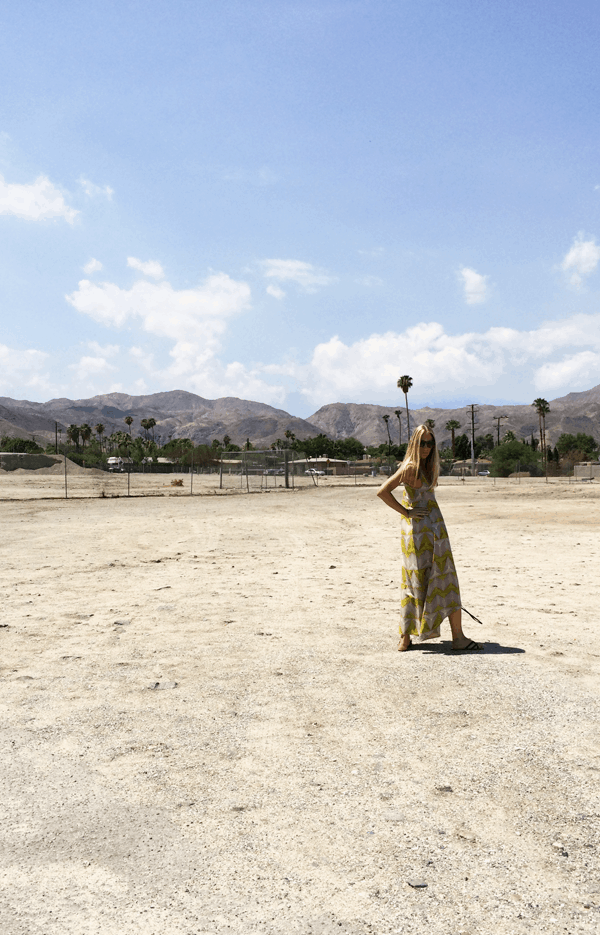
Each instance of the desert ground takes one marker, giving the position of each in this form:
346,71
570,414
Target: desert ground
206,726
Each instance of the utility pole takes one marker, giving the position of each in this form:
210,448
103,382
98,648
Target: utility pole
56,437
497,420
473,408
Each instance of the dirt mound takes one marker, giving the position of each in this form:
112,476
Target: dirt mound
41,464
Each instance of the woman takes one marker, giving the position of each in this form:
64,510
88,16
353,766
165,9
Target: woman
430,590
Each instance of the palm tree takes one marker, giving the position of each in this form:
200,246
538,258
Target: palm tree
86,433
99,430
452,425
397,413
128,420
386,419
145,426
73,435
430,423
405,383
151,424
542,407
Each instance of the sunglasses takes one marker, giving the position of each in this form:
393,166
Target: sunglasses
426,444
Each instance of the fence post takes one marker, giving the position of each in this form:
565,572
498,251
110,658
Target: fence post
66,491
192,475
287,468
221,474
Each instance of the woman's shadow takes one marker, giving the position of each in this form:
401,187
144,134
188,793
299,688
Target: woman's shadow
445,649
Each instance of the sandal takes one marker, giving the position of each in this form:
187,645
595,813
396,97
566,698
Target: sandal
471,647
400,650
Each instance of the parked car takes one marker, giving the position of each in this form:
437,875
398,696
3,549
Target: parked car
314,471
483,473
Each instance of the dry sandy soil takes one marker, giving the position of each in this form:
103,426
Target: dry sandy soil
207,729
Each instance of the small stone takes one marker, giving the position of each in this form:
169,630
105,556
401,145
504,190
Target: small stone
332,566
160,686
444,789
393,815
417,884
122,623
558,845
467,836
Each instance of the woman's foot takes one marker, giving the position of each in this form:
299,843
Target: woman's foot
404,644
465,645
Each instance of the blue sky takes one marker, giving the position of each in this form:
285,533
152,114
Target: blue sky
298,202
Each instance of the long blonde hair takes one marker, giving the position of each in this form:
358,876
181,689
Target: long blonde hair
413,463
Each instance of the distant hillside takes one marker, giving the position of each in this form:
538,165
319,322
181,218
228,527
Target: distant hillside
577,412
180,414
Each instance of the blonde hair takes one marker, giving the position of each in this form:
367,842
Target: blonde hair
413,463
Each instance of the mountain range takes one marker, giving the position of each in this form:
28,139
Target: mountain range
180,414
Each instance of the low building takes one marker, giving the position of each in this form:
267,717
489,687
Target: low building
586,470
465,468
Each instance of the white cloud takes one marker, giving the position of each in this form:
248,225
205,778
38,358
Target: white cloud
88,367
149,268
34,202
276,291
92,266
561,355
474,284
23,368
194,319
581,260
307,276
92,191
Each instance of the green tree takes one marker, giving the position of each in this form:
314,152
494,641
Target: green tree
462,448
19,445
386,419
430,423
73,432
452,425
509,437
510,454
99,430
86,433
542,407
398,414
579,442
129,421
405,383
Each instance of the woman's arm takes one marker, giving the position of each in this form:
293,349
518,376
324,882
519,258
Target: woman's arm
385,493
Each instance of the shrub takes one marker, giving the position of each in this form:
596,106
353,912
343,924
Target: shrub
507,456
19,445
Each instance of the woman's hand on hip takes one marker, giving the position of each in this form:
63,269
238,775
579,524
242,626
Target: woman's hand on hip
417,513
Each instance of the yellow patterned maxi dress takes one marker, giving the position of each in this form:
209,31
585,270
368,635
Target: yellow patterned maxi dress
430,591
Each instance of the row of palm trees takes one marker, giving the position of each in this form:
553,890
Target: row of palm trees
83,433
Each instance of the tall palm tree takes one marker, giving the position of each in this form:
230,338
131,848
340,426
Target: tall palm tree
405,383
145,425
542,407
386,419
398,413
73,435
151,424
430,423
128,420
99,430
86,433
452,425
